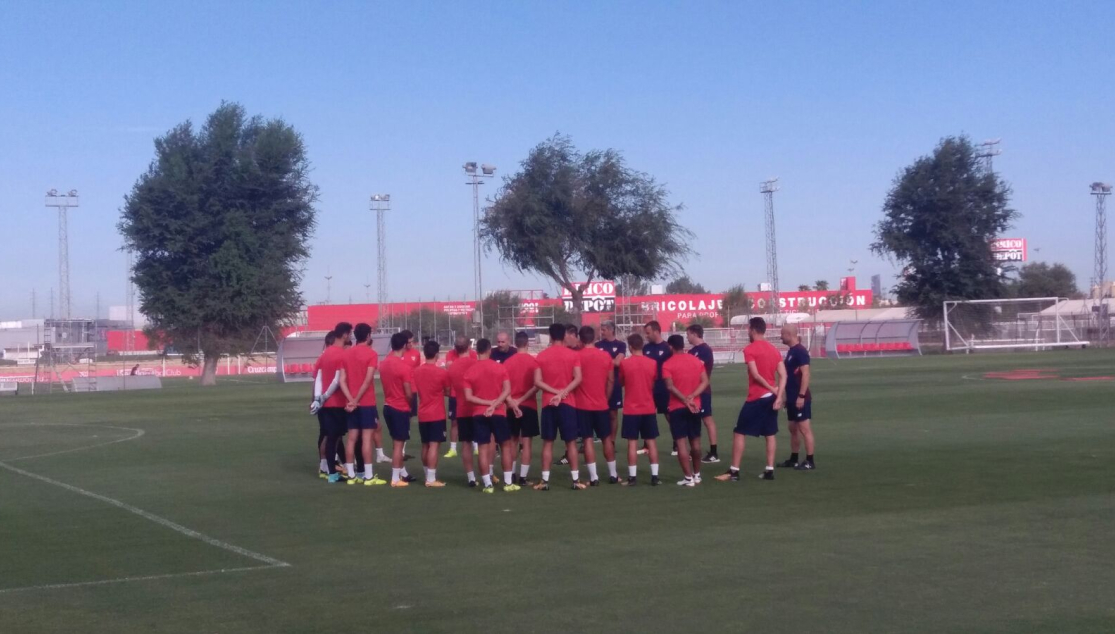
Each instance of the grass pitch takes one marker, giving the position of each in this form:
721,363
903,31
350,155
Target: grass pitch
944,501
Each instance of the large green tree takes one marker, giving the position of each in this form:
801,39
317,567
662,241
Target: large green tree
682,285
576,217
735,302
1039,279
220,225
938,222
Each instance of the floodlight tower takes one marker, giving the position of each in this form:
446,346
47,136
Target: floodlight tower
63,202
329,288
986,151
475,179
767,188
381,204
1101,191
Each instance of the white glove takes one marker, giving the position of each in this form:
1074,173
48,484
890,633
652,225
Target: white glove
315,406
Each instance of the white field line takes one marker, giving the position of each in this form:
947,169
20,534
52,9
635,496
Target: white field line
136,433
103,582
269,562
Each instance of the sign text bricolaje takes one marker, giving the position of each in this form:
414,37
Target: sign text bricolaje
599,297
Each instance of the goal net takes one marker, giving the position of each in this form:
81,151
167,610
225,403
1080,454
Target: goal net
991,324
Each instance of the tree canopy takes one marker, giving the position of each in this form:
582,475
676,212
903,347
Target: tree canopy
682,285
938,222
1039,279
735,302
220,226
576,217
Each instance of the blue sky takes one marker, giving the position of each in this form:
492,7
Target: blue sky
710,97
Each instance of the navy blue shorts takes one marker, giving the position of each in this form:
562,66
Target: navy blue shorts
526,426
414,404
706,404
452,408
488,427
432,431
797,415
637,426
333,421
616,400
466,431
661,397
562,418
398,423
758,418
364,417
684,424
594,422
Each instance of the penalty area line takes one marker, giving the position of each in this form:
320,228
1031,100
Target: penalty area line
105,582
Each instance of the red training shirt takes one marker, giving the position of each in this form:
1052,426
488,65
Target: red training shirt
413,357
358,360
766,360
485,378
431,382
520,369
596,365
457,378
637,374
330,362
452,355
557,363
685,371
393,373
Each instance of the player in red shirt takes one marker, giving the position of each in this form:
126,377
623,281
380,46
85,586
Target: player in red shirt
487,388
685,379
321,394
461,413
765,396
396,377
592,404
432,386
358,385
333,407
557,376
523,403
460,349
638,374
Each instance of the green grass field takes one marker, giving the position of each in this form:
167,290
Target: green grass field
944,502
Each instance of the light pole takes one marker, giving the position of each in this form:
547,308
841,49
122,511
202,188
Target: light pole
63,202
852,273
767,189
380,204
475,179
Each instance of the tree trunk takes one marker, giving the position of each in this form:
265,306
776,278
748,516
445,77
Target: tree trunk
209,369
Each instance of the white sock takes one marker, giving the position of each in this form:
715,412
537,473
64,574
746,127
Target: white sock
368,471
431,475
524,470
545,476
471,476
349,470
770,467
654,469
324,465
507,475
487,481
591,471
379,453
452,446
395,475
576,473
612,469
491,470
403,472
631,471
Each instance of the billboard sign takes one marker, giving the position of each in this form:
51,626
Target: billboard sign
1009,249
599,297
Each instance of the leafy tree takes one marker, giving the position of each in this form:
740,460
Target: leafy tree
499,307
1039,279
682,285
630,286
735,302
220,226
582,217
804,288
820,285
703,321
938,221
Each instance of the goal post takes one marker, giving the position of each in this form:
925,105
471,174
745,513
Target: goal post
1002,324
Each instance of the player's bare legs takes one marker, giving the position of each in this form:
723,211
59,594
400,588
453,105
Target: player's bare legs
684,457
695,456
525,450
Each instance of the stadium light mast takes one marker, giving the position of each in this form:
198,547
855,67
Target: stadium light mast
767,188
63,202
986,151
475,180
1101,191
381,204
328,287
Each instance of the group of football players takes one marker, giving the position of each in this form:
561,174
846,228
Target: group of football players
492,401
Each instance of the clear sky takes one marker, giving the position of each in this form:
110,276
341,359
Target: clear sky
710,97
